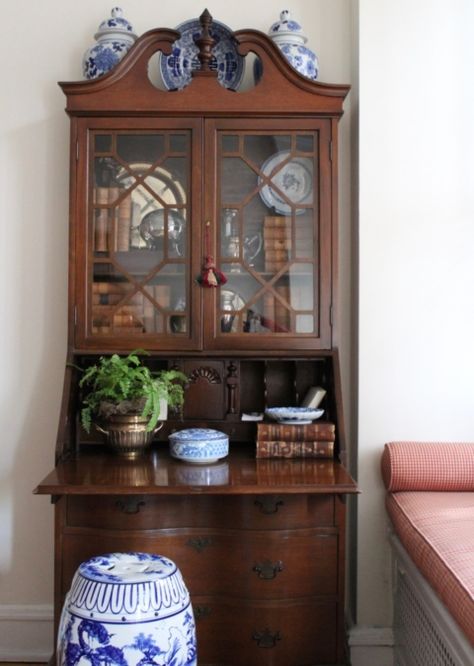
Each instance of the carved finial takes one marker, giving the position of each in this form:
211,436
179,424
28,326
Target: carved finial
205,41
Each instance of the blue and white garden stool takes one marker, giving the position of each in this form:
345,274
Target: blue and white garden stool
127,609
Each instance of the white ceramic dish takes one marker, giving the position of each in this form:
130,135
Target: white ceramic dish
294,415
294,179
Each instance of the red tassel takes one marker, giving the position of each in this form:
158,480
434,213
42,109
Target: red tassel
210,276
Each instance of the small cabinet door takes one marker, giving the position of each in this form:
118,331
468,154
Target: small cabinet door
270,214
137,231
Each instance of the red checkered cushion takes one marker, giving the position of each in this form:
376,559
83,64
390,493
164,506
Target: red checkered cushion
437,530
428,466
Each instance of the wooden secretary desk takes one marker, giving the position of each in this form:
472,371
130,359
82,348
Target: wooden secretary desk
160,179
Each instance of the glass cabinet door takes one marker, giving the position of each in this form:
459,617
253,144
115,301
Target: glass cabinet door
139,242
273,234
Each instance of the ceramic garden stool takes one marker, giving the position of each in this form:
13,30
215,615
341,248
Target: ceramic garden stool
127,609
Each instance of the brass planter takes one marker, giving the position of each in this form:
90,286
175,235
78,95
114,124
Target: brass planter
127,434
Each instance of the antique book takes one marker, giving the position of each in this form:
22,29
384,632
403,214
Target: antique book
320,430
276,221
103,287
288,449
101,217
276,255
277,244
271,234
274,266
124,221
106,299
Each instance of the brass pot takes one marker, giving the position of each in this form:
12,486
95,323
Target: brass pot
127,434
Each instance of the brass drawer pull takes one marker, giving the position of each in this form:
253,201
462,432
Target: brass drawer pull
129,505
267,570
200,543
269,503
266,639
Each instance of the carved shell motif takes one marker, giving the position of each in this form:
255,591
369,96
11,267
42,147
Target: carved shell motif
205,374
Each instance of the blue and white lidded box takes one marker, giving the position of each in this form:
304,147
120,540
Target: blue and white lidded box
199,445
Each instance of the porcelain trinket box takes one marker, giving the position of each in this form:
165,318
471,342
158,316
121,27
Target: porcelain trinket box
199,445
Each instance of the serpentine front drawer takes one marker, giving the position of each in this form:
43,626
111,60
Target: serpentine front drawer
262,512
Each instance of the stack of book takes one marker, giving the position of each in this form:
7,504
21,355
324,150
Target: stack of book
280,246
313,440
276,311
112,225
137,315
276,242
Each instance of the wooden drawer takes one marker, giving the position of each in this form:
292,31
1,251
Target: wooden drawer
283,564
260,634
147,512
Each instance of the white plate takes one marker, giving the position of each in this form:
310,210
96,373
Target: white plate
294,179
295,415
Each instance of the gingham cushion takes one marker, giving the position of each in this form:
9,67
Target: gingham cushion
437,530
428,466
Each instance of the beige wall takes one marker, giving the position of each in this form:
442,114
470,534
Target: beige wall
416,238
412,289
43,43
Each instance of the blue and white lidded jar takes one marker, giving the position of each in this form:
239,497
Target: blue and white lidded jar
127,608
114,38
289,37
199,445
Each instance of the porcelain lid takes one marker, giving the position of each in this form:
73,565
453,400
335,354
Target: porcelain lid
127,568
115,24
287,28
197,435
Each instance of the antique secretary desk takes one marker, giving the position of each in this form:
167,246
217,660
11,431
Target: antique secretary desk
160,180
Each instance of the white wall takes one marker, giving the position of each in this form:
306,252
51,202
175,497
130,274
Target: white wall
43,43
416,274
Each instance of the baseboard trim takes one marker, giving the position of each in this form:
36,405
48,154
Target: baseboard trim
371,646
26,632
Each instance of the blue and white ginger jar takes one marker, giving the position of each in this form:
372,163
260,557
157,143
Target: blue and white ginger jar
114,38
289,37
127,609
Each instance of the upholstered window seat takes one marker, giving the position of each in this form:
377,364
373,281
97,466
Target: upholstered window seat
430,502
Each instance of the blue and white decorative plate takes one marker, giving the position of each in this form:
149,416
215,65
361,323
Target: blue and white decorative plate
176,69
294,179
199,445
294,415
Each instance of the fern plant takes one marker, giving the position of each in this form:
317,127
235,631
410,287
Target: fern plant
123,385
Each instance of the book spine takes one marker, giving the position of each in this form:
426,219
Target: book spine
296,433
102,287
101,217
276,255
276,222
277,244
123,224
274,266
288,449
278,234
